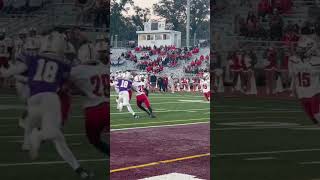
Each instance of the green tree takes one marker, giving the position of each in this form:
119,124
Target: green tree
175,12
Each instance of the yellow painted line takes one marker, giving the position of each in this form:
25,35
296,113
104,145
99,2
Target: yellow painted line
159,162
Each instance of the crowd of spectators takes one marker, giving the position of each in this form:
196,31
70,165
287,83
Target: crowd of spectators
95,12
268,23
195,65
154,59
21,6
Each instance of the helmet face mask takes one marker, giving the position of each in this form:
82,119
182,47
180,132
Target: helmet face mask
305,47
54,43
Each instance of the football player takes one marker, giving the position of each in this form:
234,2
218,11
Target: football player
125,84
305,68
92,78
205,86
141,96
46,72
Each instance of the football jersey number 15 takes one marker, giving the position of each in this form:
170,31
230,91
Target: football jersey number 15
100,83
304,79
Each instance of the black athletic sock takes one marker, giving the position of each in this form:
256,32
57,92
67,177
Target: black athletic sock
150,110
144,109
24,114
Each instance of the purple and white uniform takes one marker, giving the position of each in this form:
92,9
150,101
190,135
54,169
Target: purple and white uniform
124,85
45,73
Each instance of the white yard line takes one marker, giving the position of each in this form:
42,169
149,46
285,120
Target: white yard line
268,152
310,162
259,158
177,110
255,112
160,126
66,135
49,162
175,102
158,122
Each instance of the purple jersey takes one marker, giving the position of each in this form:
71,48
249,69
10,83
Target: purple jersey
124,85
46,74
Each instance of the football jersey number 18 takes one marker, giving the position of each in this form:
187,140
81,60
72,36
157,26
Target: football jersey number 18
46,71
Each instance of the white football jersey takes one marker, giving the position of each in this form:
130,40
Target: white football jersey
4,48
205,86
87,52
306,76
139,87
19,46
93,80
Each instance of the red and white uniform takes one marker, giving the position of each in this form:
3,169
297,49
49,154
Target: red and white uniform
4,53
271,63
205,87
306,76
93,81
141,96
246,63
235,63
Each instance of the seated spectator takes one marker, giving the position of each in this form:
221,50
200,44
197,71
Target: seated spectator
276,26
264,8
251,24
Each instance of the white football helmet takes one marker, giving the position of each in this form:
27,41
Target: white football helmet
54,43
137,78
127,75
306,46
70,49
87,53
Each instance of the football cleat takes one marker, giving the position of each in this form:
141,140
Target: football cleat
22,123
84,174
34,143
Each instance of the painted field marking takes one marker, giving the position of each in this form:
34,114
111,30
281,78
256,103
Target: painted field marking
253,112
259,158
165,103
121,129
66,135
259,124
48,162
173,176
310,163
159,162
160,126
177,110
159,122
267,152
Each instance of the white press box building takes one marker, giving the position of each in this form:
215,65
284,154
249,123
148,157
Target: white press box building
155,33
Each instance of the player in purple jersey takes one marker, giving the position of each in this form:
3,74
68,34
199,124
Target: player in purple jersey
46,73
124,84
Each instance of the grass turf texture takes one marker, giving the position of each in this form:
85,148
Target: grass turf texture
169,108
261,139
11,153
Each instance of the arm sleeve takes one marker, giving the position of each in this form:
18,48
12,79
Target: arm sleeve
14,70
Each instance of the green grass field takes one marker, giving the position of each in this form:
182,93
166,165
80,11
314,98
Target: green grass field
169,108
261,139
16,164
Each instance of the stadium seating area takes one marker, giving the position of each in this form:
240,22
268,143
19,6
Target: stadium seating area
261,31
167,60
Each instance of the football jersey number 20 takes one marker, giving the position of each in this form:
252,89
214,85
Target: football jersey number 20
46,71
